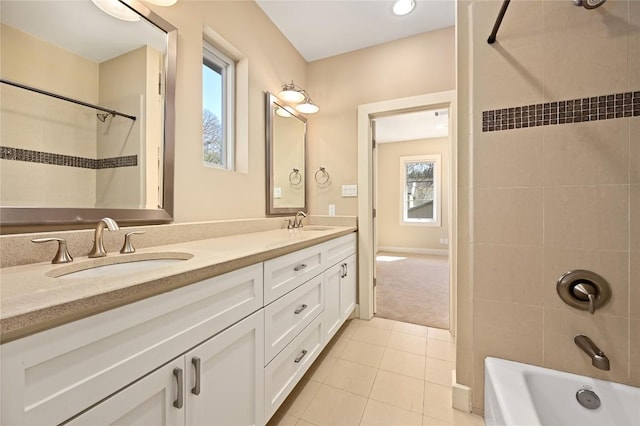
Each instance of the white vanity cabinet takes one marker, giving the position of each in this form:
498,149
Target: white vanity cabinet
222,351
329,298
340,295
217,383
49,377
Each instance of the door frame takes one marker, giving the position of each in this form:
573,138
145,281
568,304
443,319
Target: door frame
366,256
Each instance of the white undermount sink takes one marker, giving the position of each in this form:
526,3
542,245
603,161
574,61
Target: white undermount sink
119,265
317,228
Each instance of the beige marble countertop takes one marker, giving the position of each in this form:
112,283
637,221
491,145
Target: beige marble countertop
33,300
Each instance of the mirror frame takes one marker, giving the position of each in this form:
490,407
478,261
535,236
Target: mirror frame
48,216
270,100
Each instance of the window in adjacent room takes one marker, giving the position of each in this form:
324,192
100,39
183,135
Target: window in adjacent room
420,189
218,112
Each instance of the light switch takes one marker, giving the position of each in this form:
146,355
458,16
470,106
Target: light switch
277,192
349,190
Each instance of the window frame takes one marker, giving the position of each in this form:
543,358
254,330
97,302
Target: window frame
436,159
212,55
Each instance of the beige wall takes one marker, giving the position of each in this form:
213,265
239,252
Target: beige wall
416,65
390,231
547,199
206,193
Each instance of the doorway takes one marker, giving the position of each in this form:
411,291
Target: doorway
367,114
411,228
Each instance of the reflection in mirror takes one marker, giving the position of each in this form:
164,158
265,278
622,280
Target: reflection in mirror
86,114
286,158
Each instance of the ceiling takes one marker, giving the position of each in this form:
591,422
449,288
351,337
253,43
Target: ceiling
322,28
80,27
410,126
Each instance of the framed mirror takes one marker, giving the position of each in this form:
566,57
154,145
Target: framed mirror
286,138
87,113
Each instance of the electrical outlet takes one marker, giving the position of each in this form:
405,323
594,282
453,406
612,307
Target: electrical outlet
277,192
332,209
349,190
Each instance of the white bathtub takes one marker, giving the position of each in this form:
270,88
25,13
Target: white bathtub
517,394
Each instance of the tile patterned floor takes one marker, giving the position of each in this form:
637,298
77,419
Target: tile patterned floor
378,372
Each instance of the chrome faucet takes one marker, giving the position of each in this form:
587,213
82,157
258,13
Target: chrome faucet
98,246
598,358
297,223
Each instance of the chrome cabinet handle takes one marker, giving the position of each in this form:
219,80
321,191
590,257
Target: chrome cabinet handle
196,365
300,267
178,374
62,255
300,309
299,357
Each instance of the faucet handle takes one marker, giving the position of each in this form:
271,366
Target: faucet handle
128,247
62,255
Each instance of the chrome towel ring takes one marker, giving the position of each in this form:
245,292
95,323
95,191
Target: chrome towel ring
322,175
295,177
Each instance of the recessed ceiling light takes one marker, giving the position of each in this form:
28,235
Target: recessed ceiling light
403,7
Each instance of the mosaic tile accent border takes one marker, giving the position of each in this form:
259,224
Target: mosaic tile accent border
18,154
604,107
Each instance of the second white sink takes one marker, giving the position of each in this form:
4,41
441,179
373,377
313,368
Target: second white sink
121,265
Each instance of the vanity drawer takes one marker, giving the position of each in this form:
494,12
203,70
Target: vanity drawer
286,369
339,249
290,314
284,273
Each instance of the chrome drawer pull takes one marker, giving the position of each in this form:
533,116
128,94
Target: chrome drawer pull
179,402
300,267
300,309
299,358
196,365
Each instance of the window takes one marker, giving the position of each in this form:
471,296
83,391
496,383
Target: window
218,91
420,189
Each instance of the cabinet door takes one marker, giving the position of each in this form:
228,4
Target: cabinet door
225,384
150,401
348,288
331,318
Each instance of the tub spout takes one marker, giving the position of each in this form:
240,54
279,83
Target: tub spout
598,358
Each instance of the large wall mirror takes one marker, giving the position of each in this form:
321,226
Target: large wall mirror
87,113
286,139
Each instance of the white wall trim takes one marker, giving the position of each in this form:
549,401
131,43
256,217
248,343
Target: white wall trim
414,250
366,257
461,397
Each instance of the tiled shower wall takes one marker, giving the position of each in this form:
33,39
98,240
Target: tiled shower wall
551,197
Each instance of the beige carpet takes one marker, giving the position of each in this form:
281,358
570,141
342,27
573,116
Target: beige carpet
413,288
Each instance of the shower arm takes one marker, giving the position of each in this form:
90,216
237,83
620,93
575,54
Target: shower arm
64,98
496,26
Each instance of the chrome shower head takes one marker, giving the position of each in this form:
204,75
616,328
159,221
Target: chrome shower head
103,117
588,4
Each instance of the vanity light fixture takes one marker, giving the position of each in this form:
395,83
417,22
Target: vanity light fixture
403,7
285,112
162,2
291,93
296,95
116,9
307,106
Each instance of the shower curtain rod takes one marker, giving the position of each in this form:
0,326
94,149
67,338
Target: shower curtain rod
496,26
64,98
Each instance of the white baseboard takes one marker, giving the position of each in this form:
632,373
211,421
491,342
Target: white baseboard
413,250
461,397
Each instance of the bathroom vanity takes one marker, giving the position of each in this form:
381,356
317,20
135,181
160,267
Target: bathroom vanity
220,337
